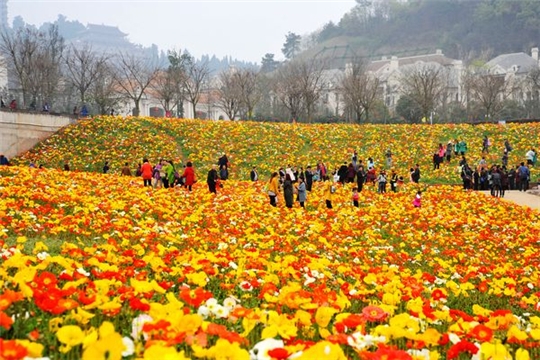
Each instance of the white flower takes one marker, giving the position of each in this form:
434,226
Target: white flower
43,255
211,304
309,279
233,265
454,339
221,312
359,341
137,325
419,354
203,311
129,346
83,272
230,303
260,350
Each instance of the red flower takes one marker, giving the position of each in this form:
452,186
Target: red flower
45,280
194,297
374,313
387,353
438,294
461,347
481,333
278,353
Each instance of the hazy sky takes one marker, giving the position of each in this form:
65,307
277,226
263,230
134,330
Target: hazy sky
244,29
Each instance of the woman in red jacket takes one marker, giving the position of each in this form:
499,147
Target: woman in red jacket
146,173
189,175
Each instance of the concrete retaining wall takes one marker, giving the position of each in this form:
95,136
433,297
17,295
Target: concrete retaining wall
20,131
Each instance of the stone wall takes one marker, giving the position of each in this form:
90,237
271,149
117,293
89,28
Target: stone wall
20,131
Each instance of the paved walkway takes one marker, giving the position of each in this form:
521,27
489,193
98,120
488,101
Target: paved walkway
522,198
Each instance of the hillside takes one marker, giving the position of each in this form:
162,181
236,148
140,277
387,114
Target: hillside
87,144
462,29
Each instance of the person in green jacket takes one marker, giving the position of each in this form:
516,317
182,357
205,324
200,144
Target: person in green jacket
167,169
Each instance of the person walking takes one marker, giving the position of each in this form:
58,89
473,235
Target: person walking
189,176
302,193
524,177
485,144
288,191
355,197
224,173
381,179
254,175
330,189
125,170
146,173
448,151
212,179
393,180
308,176
417,202
415,176
360,178
273,188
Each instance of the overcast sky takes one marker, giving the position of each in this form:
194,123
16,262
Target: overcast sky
244,29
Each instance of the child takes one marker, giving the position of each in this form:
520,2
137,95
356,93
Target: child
355,197
417,202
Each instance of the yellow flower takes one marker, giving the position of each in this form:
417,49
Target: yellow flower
164,353
324,315
223,350
522,354
70,335
279,324
494,352
323,350
516,333
34,349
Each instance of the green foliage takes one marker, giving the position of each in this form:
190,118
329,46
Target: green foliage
460,28
408,109
291,47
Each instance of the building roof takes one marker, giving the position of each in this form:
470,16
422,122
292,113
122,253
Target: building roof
524,62
438,58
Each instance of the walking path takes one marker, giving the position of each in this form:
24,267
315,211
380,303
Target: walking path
530,198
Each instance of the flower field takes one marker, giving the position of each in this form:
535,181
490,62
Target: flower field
97,266
89,143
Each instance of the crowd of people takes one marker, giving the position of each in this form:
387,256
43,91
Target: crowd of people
296,182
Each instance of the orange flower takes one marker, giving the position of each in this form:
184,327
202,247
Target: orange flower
12,350
5,320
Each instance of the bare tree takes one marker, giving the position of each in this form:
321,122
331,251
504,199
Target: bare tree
425,84
533,93
83,67
298,86
488,88
229,95
34,59
52,52
312,83
288,89
103,92
196,76
360,90
250,89
133,76
165,88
